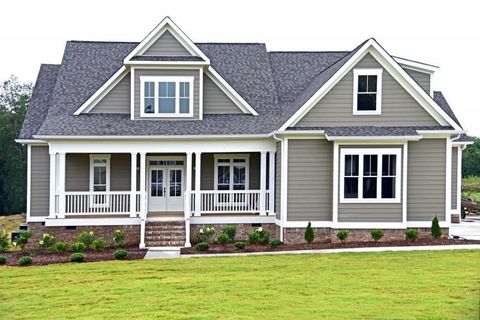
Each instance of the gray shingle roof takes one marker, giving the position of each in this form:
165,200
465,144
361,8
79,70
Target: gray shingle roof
371,131
166,58
442,102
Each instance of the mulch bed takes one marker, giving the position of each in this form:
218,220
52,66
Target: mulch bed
41,257
229,248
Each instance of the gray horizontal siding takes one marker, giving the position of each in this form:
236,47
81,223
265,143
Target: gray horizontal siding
423,79
336,107
454,177
117,100
167,45
215,101
426,180
278,179
309,180
39,181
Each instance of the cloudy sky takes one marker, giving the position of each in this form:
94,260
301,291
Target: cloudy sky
443,33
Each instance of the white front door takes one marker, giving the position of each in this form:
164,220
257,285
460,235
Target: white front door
165,187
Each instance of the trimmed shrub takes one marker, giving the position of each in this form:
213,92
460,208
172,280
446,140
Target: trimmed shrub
98,245
25,261
86,237
78,247
120,254
436,231
223,239
202,246
240,245
205,234
253,237
275,243
4,241
342,235
118,238
22,239
230,231
61,246
377,234
3,260
411,234
258,236
309,235
77,257
47,242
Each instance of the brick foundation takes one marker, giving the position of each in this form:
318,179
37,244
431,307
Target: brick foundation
455,218
242,230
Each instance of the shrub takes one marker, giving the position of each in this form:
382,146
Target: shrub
377,234
253,237
78,247
240,245
258,236
61,246
3,260
120,254
275,243
309,235
77,257
230,231
205,234
4,242
411,234
22,239
202,246
86,237
342,235
118,238
436,231
98,245
223,239
25,261
47,242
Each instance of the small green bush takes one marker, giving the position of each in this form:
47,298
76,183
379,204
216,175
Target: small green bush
342,235
77,257
47,242
118,238
275,243
87,237
4,241
411,234
436,231
258,236
377,234
22,239
309,235
202,246
205,234
78,247
120,254
25,261
253,237
230,231
3,260
61,246
98,245
240,245
223,239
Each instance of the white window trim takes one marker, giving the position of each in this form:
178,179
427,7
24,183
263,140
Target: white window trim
156,80
230,157
367,72
92,165
370,151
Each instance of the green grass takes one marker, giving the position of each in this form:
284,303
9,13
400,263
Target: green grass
402,285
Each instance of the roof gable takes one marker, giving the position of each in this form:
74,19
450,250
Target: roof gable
167,45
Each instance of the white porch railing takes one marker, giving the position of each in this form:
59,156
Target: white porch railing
112,202
236,201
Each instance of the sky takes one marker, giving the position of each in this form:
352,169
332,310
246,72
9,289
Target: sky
442,33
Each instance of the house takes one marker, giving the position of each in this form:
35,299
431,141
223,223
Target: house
162,137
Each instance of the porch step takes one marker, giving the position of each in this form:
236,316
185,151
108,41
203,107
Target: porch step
165,234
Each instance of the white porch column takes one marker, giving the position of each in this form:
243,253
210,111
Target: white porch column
133,184
143,207
263,181
53,187
198,170
271,183
61,185
188,197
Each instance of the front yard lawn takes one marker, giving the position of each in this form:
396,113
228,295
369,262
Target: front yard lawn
401,285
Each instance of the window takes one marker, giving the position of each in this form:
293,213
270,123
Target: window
367,91
231,173
370,175
166,97
99,178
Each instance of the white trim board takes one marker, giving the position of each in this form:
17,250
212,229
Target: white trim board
231,219
91,222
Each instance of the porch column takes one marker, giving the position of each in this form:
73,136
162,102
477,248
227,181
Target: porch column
263,181
188,197
143,209
198,170
271,183
133,184
53,187
61,185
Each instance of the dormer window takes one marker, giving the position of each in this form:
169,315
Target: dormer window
367,91
166,96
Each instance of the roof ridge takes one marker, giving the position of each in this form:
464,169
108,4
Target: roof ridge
327,51
234,43
102,41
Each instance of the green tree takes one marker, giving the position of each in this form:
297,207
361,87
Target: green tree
471,159
14,98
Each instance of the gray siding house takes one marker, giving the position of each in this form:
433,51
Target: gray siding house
161,137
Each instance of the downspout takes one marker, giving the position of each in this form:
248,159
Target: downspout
280,191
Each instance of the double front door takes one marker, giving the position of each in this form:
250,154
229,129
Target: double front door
166,185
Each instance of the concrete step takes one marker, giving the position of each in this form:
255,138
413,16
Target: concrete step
165,238
164,231
147,227
164,244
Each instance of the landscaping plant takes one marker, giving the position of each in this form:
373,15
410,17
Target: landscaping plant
342,235
118,238
258,236
202,246
22,239
377,234
3,260
120,254
309,235
223,239
230,231
240,245
78,247
436,231
411,234
61,246
86,237
47,242
77,257
98,245
205,234
25,261
4,241
275,243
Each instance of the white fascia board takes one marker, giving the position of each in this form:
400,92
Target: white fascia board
300,133
374,138
166,137
462,143
166,63
417,66
231,219
78,221
30,141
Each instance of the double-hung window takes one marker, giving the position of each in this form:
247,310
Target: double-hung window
231,174
99,178
367,91
370,175
166,96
